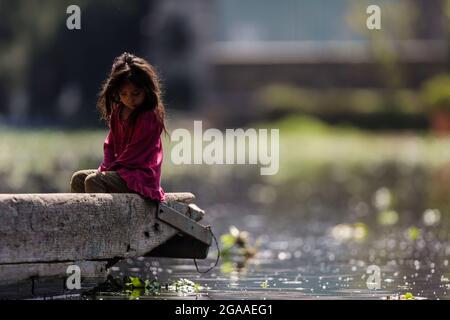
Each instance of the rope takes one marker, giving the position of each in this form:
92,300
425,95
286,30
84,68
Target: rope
218,254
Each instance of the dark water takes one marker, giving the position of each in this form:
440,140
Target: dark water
306,261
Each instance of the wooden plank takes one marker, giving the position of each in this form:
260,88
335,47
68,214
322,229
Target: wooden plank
189,210
181,247
184,224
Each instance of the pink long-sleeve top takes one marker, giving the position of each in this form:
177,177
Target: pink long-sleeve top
135,152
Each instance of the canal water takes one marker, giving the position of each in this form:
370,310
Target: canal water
326,243
308,267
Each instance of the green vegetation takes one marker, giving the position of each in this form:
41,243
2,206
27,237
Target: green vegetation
309,146
44,160
287,99
40,160
236,243
406,296
436,93
135,287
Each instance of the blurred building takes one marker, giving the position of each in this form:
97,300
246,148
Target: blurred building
230,48
212,54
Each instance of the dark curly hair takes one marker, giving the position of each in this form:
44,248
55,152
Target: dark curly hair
128,67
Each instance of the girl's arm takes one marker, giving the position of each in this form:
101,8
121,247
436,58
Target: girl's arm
141,149
108,151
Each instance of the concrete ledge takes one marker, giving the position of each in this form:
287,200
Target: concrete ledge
50,228
16,273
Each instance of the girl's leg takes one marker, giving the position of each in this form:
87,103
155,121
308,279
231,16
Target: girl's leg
105,182
77,180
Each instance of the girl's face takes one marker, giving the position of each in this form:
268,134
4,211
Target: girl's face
131,96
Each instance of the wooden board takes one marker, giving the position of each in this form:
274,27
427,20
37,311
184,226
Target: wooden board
184,224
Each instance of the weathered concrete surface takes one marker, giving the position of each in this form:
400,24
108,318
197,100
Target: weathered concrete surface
42,234
43,228
31,280
184,197
14,273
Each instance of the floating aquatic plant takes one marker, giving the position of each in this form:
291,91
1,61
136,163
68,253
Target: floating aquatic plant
406,296
184,286
134,287
237,242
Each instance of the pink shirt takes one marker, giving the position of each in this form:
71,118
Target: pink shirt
135,152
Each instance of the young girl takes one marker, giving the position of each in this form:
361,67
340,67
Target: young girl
130,101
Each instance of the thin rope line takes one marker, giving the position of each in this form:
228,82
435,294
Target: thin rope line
218,254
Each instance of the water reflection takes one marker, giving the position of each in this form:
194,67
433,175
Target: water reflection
309,267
